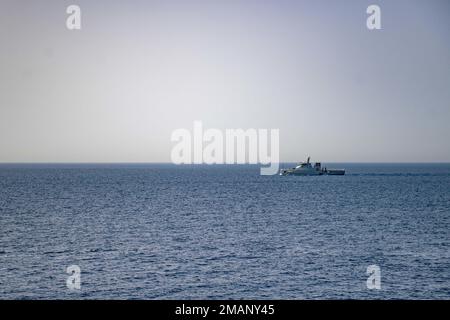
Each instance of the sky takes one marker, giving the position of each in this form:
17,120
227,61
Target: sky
115,90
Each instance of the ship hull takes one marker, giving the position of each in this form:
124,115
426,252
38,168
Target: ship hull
336,172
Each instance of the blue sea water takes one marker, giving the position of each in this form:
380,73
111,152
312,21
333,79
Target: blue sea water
160,231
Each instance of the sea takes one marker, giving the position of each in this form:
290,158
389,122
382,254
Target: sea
162,231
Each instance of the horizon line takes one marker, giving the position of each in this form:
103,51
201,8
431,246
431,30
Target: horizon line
186,164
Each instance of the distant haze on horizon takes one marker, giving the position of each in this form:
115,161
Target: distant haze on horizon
115,90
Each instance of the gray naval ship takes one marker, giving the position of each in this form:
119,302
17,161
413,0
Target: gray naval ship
307,169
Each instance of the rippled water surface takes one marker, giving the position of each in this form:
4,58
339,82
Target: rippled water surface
177,232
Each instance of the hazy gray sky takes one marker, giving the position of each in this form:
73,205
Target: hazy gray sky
115,90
